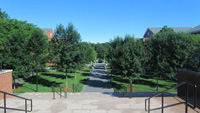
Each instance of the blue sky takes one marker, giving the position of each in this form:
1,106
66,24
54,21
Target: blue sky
102,20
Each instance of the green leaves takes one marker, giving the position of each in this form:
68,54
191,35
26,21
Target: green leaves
128,56
169,50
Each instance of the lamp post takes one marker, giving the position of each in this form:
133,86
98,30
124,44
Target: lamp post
0,65
36,75
157,72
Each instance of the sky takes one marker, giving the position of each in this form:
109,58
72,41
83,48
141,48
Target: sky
100,21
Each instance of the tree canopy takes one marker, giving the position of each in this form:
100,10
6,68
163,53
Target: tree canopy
169,50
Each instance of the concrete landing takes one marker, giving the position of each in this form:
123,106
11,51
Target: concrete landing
92,103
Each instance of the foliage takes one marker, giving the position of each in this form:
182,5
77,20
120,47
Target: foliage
69,57
168,51
166,29
101,49
127,56
3,15
15,43
16,56
38,46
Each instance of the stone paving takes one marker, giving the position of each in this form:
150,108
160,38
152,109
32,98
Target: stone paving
97,97
98,81
92,103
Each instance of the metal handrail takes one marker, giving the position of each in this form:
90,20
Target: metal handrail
5,108
186,101
53,91
125,93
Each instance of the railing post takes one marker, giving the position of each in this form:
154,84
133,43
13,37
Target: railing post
186,98
65,94
195,96
60,93
162,103
145,104
149,105
31,105
4,102
25,105
73,88
53,90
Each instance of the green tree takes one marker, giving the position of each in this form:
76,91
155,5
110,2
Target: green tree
3,15
16,56
169,51
128,57
69,54
38,46
166,29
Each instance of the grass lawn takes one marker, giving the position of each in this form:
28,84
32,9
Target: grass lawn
145,83
46,79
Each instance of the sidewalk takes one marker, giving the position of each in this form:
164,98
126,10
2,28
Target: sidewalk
99,80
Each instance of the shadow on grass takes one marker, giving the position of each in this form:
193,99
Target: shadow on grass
119,81
58,75
42,81
85,74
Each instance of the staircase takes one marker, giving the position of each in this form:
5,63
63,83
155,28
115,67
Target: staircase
97,102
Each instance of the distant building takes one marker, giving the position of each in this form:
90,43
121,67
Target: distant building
195,30
49,33
153,30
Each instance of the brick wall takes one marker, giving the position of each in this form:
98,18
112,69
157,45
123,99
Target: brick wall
5,82
50,34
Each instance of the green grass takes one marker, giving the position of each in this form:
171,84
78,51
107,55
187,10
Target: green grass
145,83
46,79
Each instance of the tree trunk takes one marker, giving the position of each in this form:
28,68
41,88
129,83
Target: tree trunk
131,88
13,82
75,74
66,80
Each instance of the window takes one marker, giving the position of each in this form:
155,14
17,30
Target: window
148,34
51,35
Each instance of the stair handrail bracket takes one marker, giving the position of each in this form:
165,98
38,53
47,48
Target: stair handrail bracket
60,93
26,99
186,97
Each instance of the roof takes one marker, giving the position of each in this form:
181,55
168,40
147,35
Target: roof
194,30
176,29
46,30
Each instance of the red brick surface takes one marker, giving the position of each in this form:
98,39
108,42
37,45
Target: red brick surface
6,83
48,34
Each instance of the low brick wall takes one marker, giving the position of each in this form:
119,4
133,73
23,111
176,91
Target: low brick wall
5,82
186,75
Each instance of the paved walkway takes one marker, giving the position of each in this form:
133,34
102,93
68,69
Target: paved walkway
98,81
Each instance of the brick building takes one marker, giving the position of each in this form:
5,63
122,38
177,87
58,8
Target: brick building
49,33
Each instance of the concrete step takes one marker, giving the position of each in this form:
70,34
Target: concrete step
93,103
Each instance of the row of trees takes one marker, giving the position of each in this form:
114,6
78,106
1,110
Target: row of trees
69,53
24,48
162,54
